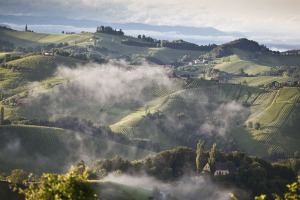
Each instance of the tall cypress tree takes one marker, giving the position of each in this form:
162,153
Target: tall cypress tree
212,158
200,159
2,116
26,28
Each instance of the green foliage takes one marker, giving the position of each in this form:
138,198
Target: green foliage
257,125
2,116
292,194
109,30
18,176
243,43
80,168
183,45
200,159
212,158
66,186
250,125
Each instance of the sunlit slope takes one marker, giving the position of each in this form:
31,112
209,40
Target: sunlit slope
42,149
253,63
259,80
38,67
278,113
197,103
29,39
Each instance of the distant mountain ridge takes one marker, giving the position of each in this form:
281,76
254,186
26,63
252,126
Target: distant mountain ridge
34,20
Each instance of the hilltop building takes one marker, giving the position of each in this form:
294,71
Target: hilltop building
274,84
221,169
26,29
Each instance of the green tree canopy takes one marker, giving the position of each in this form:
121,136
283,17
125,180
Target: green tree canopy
57,187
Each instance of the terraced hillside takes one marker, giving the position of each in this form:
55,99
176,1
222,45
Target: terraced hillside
41,149
278,112
177,118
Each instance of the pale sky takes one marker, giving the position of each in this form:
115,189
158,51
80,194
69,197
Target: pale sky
277,18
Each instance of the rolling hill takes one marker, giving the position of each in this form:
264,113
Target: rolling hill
276,111
180,113
253,62
112,44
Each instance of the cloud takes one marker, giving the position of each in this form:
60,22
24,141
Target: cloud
192,188
224,118
232,15
93,88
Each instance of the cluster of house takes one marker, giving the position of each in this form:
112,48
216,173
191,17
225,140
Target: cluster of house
221,169
201,61
218,80
70,33
291,53
165,66
287,83
48,54
21,102
196,62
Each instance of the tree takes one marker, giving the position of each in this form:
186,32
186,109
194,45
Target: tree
250,125
296,154
257,125
26,29
65,186
18,176
200,159
2,116
241,71
139,37
80,167
292,194
173,75
212,158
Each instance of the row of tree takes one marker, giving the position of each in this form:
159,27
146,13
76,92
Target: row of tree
109,30
254,174
183,45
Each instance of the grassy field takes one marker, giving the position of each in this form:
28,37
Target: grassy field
41,149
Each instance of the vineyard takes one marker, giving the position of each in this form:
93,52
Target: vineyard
276,111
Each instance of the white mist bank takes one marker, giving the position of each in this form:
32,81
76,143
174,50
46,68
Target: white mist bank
191,188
